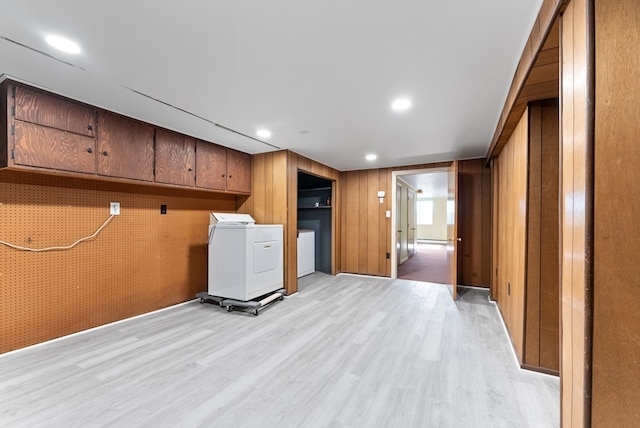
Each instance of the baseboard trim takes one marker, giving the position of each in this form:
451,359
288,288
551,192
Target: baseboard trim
540,369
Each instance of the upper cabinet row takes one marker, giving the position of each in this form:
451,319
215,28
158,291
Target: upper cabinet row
52,133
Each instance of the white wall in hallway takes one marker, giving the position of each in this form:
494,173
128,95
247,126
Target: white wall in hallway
438,230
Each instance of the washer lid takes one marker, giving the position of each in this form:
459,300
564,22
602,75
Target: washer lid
230,218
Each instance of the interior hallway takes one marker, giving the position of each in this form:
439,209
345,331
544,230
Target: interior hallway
412,358
428,264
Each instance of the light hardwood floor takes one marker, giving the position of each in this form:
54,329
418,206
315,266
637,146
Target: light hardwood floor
346,351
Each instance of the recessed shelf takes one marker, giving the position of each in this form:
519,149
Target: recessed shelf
315,189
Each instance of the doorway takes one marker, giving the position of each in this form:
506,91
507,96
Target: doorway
420,216
314,223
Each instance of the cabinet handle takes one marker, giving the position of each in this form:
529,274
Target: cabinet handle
223,175
89,150
190,169
229,176
105,153
89,128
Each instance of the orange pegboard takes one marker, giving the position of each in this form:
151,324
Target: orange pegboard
141,261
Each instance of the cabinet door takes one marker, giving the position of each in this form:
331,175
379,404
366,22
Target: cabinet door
45,147
175,158
125,147
238,171
211,164
48,110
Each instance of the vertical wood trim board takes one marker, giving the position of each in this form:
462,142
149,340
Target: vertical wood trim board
542,295
140,262
550,239
534,237
495,222
616,323
576,212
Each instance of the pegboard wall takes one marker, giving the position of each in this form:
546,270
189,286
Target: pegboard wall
140,262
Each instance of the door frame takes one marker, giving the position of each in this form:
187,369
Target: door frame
412,209
452,229
394,184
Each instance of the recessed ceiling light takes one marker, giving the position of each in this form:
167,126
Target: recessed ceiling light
65,45
263,133
371,157
401,104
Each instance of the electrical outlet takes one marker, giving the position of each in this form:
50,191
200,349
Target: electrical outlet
115,208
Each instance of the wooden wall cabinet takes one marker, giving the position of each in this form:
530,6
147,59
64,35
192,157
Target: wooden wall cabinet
37,107
43,147
125,147
220,168
238,171
175,158
50,132
211,161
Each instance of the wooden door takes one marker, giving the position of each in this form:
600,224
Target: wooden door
399,215
175,158
125,147
238,171
211,165
411,222
45,147
53,112
452,229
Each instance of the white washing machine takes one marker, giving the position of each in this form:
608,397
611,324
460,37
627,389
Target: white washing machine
245,259
306,252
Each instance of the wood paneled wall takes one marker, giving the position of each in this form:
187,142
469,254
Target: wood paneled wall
511,176
297,163
536,77
366,231
268,201
542,327
616,287
576,212
274,199
140,262
366,238
474,223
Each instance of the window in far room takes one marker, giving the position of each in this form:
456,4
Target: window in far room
425,211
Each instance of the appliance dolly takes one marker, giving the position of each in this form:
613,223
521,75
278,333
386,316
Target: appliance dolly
254,305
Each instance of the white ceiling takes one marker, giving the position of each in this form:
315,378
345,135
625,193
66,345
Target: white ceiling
433,184
319,74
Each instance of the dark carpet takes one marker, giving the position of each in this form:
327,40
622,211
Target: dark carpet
429,264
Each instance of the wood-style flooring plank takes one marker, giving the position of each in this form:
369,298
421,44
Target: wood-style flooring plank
345,351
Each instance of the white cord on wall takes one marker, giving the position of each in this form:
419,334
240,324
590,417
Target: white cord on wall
68,247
